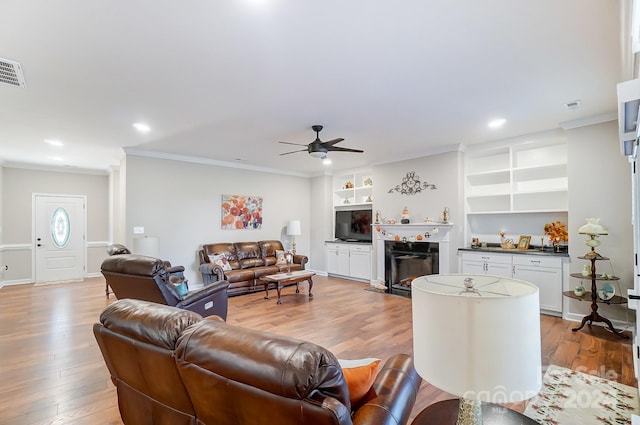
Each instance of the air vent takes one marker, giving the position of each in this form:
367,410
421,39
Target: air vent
11,73
574,104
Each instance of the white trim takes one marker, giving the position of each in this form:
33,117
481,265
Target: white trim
97,244
206,161
64,169
16,282
618,324
16,247
594,119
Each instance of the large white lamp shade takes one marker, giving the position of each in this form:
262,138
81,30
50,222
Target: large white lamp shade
480,344
146,246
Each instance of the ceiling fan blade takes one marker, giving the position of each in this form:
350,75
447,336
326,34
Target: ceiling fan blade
338,149
332,142
287,153
289,143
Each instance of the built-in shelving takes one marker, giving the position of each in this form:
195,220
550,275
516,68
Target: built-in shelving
359,194
525,177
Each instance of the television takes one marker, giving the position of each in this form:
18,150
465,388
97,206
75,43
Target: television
353,225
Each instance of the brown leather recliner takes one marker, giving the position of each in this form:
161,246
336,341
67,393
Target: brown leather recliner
236,376
147,278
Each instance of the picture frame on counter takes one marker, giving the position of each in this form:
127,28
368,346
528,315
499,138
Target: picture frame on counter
523,242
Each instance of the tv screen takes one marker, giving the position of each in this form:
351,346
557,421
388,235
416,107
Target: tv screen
353,226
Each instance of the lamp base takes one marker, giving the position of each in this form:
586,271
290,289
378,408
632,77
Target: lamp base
446,412
470,412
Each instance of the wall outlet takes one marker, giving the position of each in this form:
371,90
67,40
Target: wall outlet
138,230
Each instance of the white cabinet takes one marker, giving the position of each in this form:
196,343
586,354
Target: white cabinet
546,274
349,260
338,259
483,263
526,177
353,189
360,261
543,271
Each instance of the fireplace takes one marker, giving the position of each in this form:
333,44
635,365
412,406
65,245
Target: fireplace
404,261
404,251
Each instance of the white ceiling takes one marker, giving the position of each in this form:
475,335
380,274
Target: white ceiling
226,80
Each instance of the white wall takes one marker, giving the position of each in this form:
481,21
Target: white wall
18,185
179,203
443,170
321,210
600,186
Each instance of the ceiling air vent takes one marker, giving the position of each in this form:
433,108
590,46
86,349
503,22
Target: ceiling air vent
11,73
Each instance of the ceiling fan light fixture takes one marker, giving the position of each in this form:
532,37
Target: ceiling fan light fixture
318,154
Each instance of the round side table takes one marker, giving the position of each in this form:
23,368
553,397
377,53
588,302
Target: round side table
446,413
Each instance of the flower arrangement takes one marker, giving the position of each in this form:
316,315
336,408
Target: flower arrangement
557,232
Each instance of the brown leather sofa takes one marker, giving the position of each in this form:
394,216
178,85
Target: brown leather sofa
248,261
147,278
172,367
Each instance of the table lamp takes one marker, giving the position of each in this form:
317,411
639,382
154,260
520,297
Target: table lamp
593,229
293,229
477,337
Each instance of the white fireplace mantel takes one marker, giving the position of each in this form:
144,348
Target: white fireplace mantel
412,232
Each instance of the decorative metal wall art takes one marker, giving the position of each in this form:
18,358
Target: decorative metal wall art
411,185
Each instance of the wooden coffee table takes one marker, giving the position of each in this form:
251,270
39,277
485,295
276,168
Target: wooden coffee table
285,279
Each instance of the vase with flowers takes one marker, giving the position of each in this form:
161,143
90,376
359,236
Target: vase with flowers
557,232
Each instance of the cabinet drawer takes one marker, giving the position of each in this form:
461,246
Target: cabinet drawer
486,257
360,248
537,261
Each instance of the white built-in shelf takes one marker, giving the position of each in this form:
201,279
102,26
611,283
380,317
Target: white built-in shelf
358,195
528,177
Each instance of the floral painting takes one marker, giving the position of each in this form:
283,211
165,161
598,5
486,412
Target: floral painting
241,212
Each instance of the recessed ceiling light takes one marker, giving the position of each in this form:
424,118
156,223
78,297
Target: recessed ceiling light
497,123
55,158
54,142
142,127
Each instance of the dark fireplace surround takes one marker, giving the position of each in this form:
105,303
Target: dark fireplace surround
404,261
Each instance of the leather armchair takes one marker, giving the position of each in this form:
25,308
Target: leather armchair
147,278
169,367
175,272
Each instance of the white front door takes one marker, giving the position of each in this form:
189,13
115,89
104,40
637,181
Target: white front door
59,237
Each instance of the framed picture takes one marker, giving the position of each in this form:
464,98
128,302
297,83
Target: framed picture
241,212
523,242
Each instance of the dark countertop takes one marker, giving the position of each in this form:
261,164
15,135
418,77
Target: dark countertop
349,242
533,250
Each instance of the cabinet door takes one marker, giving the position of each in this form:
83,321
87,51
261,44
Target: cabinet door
548,280
332,259
338,259
473,267
360,264
343,261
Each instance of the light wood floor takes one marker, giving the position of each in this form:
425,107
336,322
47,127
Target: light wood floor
51,371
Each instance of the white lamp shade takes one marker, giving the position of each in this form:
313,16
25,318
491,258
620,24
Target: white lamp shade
481,347
293,228
146,246
593,227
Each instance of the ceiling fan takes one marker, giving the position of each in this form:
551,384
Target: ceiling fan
319,149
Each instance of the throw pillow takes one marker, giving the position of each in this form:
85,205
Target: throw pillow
359,375
220,260
280,257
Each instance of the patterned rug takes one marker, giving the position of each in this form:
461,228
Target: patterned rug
569,397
